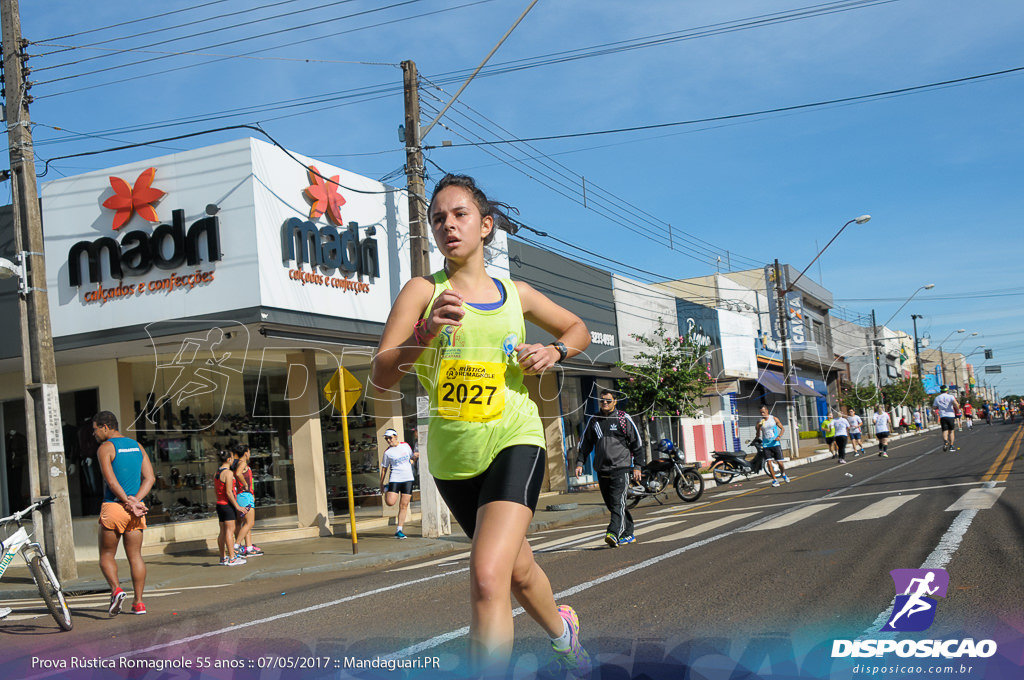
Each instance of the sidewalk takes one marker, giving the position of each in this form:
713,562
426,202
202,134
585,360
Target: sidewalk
377,548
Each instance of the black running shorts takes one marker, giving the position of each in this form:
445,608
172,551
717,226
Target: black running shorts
400,488
948,423
225,512
515,475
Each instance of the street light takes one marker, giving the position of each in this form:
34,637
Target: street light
962,340
787,362
942,355
972,353
863,219
928,286
16,268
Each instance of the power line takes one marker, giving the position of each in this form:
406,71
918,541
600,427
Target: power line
750,114
134,21
257,128
274,47
163,29
611,208
303,26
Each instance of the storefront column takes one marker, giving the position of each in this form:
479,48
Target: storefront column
388,414
126,400
307,442
544,392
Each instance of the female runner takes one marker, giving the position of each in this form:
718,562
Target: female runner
465,333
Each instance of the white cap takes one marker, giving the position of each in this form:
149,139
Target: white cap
390,433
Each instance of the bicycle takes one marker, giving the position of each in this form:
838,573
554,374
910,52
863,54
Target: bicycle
49,587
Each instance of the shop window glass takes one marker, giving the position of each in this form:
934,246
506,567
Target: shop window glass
183,420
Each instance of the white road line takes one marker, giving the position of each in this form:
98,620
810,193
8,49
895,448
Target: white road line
791,517
879,509
441,560
676,508
702,529
638,530
977,499
939,558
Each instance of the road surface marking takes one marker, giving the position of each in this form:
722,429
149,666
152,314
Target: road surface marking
879,509
977,499
703,528
791,517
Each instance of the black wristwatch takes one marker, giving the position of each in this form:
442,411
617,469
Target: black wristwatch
562,351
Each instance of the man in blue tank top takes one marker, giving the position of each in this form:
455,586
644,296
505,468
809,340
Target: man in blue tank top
127,478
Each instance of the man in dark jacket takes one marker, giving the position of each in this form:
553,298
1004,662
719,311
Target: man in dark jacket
618,455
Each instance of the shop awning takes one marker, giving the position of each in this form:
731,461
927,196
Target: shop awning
772,382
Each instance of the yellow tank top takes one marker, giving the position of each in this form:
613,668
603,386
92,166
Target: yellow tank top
478,403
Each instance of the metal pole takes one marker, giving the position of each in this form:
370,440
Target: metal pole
787,366
435,519
917,348
874,350
48,472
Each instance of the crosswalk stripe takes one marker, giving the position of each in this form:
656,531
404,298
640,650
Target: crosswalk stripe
677,508
977,499
443,560
880,509
636,532
702,528
792,517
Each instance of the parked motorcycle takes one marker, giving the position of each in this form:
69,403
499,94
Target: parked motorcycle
668,469
729,464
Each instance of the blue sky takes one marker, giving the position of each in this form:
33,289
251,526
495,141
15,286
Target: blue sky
939,169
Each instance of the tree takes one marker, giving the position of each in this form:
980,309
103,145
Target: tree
904,392
666,379
857,397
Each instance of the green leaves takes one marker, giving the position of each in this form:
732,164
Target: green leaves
668,378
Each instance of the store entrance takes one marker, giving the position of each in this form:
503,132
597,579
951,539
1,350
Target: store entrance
85,485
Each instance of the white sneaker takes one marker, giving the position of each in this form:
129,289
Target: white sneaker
233,562
4,611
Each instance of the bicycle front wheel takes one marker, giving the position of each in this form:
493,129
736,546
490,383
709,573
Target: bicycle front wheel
50,590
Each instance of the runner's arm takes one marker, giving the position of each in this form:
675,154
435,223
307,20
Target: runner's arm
398,349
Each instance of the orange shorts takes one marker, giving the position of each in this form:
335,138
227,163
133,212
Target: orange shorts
113,516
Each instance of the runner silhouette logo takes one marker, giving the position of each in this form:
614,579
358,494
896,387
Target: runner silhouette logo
914,608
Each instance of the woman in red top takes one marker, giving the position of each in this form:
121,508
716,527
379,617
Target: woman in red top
243,494
227,510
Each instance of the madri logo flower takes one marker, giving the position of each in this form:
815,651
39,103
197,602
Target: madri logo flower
324,197
138,199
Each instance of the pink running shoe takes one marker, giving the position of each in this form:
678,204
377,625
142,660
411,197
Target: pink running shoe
574,659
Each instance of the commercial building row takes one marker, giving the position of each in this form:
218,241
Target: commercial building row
211,295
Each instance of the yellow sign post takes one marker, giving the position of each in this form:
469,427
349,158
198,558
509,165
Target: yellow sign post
342,391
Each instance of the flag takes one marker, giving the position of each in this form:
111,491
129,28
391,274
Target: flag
353,388
903,355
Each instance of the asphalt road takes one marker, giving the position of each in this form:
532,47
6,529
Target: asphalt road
750,578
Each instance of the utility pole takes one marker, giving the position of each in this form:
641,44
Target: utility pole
874,349
435,519
917,348
787,363
47,470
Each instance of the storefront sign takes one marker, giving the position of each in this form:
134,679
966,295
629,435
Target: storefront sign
138,252
246,227
303,242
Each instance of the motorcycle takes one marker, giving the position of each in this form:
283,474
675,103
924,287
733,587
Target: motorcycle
668,469
728,464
